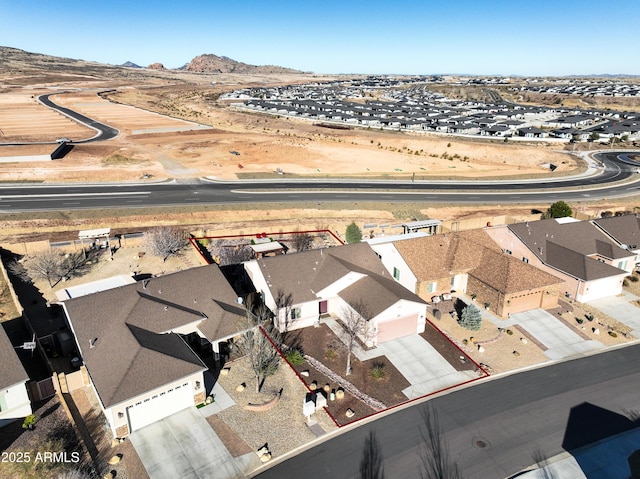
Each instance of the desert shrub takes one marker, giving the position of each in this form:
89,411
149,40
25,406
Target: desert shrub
633,279
437,313
509,332
589,317
331,353
294,356
613,334
579,320
378,371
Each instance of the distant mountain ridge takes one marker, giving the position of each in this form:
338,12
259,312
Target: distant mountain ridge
12,58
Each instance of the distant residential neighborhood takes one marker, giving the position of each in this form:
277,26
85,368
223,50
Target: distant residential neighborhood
407,104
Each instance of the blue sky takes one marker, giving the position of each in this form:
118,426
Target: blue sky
521,37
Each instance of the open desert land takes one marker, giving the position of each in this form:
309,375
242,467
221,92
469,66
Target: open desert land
196,133
24,119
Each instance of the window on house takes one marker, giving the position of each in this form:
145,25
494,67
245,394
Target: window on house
622,264
296,313
3,403
396,273
432,286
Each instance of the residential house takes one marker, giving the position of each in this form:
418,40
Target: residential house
590,264
14,399
139,342
337,281
468,262
625,231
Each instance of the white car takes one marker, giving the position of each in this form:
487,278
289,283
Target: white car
63,140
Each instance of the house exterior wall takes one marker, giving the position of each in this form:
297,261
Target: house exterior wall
14,403
120,424
600,288
442,285
572,287
391,259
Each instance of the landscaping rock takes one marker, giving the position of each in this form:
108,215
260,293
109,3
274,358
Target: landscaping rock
327,388
305,373
595,331
350,413
240,387
313,386
340,393
480,349
225,371
516,353
524,340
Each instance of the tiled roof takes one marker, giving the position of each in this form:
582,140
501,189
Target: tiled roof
131,353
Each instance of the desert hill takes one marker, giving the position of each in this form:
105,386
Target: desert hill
210,63
16,61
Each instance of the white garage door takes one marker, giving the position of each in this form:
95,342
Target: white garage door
159,406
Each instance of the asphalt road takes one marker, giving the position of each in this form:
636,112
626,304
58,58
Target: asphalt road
104,132
617,166
573,402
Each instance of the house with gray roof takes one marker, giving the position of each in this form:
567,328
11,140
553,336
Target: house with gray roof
14,398
337,281
590,263
624,230
138,342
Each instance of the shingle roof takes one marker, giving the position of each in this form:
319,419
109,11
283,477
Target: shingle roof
507,274
624,229
475,253
12,372
130,353
567,245
304,274
377,294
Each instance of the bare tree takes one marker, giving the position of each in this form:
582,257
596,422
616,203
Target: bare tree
165,241
355,320
226,254
371,464
282,310
51,266
257,343
302,241
434,451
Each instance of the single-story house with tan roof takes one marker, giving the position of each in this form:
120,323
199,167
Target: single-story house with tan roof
624,230
137,342
468,262
335,281
14,398
589,262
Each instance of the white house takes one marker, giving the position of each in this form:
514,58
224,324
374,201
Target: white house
14,399
303,287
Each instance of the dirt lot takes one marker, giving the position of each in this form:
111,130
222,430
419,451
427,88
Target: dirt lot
168,147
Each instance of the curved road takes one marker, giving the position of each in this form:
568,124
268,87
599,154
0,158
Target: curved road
616,166
514,416
105,132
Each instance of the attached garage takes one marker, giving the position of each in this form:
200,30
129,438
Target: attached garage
159,406
397,328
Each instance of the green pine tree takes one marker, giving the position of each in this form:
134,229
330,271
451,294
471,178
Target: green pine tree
353,233
471,318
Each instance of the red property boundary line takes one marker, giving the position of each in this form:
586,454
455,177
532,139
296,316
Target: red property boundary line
193,241
395,406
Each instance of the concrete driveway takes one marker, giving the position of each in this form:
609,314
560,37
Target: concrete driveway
620,308
184,445
560,340
422,366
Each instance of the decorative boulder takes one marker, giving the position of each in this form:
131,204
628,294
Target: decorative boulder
480,349
313,386
523,340
350,413
305,373
240,387
327,388
225,371
339,393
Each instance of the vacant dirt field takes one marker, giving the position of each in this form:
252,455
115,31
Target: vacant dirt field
170,146
23,118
